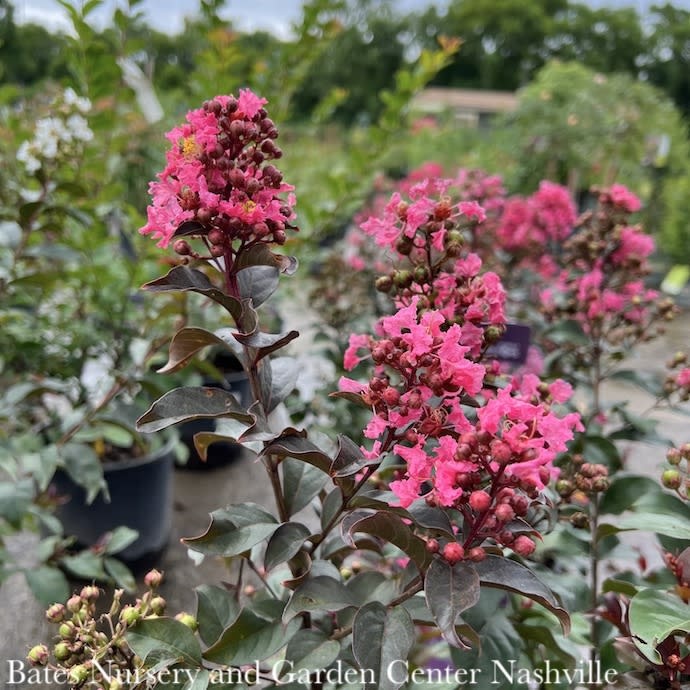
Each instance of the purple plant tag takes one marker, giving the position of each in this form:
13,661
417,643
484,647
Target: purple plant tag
513,346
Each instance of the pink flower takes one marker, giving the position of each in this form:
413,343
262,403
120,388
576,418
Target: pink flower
621,196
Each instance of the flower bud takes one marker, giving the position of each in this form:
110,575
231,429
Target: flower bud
74,603
130,615
453,552
153,578
432,545
90,593
66,631
39,655
476,554
480,501
182,247
579,520
188,620
56,613
158,605
523,546
384,283
61,651
671,479
78,674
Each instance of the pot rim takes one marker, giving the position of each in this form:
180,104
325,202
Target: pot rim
158,454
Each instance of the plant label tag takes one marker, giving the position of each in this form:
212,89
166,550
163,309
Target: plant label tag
512,348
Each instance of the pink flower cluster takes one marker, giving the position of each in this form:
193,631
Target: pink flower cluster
601,282
527,224
218,178
467,444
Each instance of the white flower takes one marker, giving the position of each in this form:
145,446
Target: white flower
79,128
25,155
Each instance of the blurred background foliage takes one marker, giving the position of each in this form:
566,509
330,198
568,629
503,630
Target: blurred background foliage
603,93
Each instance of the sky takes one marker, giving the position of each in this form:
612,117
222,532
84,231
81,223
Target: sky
272,15
168,15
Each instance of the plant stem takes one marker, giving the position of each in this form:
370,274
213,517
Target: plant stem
594,576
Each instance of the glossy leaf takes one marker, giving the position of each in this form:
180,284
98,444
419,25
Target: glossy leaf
164,638
284,543
450,590
188,341
120,538
120,573
48,584
184,404
234,530
675,526
299,447
309,650
653,616
278,381
257,283
349,459
380,637
217,609
266,343
502,573
250,639
320,593
301,483
430,517
390,528
186,279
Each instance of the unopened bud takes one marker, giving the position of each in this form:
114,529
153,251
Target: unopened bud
56,613
78,674
130,615
188,620
153,578
90,593
39,655
74,604
61,651
671,479
158,605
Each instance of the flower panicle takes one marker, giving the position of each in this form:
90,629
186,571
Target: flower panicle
220,182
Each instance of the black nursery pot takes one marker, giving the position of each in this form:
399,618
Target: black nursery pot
218,454
141,497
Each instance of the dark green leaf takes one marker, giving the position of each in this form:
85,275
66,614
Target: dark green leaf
331,505
216,610
85,565
120,538
84,467
653,616
164,638
285,542
188,341
297,446
502,573
599,449
319,593
450,591
184,278
234,530
257,283
349,459
390,528
49,585
184,404
120,573
283,379
15,499
625,491
309,650
430,517
301,482
675,526
250,639
381,637
265,343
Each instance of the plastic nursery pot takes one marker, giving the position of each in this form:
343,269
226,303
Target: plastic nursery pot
218,454
141,497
